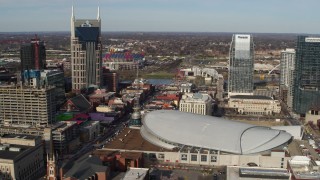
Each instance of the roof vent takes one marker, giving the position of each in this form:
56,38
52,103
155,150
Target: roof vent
3,148
7,145
15,149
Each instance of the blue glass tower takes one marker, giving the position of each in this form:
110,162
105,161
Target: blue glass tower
306,91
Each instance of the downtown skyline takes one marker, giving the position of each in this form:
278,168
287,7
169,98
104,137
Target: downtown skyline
287,16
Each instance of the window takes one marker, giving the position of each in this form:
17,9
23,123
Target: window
160,156
184,157
203,158
194,157
152,156
213,158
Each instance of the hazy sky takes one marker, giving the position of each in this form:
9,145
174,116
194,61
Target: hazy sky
270,16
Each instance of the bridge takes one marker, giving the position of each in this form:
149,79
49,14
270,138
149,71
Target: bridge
205,72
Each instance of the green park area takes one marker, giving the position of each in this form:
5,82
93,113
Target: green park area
159,75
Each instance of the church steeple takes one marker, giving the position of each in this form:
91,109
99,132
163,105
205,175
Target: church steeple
51,161
135,120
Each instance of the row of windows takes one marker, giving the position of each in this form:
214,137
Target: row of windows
313,112
194,157
251,107
193,110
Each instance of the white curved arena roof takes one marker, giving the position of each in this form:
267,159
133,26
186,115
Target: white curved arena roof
168,129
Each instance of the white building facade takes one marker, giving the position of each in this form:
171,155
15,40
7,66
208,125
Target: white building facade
196,103
254,105
287,67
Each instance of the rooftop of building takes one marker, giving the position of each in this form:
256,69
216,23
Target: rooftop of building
126,155
84,167
136,173
10,152
176,93
302,168
315,106
131,139
19,136
123,55
236,172
290,50
50,72
62,125
251,97
89,124
80,102
186,85
102,94
25,88
196,97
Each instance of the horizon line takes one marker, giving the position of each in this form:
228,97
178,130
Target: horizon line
195,32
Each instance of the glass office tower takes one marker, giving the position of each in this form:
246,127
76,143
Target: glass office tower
307,75
241,65
86,52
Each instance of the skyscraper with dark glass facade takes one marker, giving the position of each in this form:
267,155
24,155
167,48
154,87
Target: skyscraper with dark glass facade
307,75
86,52
241,65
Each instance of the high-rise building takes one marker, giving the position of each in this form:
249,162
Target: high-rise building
241,65
33,55
86,52
110,80
27,106
306,90
43,78
55,78
286,75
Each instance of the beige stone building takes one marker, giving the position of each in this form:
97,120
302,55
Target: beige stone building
21,157
27,106
254,104
196,103
313,115
86,52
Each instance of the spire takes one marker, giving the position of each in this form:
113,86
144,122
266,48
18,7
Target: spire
51,150
72,13
98,16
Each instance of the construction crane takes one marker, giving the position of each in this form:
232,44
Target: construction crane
36,52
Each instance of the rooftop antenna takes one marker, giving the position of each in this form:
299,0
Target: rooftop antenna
72,12
98,15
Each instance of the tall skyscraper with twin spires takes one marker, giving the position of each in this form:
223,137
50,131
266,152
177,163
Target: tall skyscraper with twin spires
86,52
